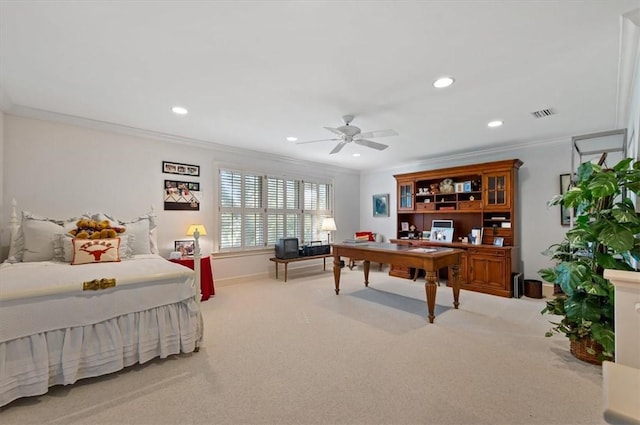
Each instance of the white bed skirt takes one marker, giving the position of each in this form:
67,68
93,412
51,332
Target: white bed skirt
32,364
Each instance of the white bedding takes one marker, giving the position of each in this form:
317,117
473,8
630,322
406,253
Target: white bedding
42,296
52,332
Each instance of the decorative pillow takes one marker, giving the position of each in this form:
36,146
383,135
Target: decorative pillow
142,228
63,247
364,236
87,251
35,237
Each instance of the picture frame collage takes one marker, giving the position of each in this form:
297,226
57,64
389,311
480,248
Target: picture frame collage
181,195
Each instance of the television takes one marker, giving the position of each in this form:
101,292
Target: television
287,248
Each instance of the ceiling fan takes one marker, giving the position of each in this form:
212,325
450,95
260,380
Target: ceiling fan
350,133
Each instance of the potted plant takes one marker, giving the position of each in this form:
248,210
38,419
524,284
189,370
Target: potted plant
604,237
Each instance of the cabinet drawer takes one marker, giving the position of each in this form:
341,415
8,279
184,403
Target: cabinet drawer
490,233
488,251
426,206
469,205
504,232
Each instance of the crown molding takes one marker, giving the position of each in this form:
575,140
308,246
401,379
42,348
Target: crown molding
493,149
45,115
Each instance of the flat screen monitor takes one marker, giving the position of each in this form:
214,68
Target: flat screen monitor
442,224
441,230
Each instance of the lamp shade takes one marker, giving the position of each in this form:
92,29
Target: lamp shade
328,224
199,227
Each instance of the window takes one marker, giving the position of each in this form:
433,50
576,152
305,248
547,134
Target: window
256,210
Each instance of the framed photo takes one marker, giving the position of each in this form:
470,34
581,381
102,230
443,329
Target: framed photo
183,169
404,226
459,187
381,205
565,213
498,241
466,186
181,196
184,247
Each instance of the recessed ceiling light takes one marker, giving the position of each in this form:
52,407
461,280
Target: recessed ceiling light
496,123
443,82
356,154
292,139
179,110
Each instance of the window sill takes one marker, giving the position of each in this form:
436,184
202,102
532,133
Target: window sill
235,254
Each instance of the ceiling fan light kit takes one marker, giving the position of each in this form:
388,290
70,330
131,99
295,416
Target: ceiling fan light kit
350,133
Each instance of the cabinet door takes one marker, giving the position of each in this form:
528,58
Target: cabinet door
497,188
405,195
487,270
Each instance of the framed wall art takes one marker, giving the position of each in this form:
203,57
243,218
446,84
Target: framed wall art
182,196
381,205
182,169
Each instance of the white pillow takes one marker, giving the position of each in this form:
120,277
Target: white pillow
36,235
142,228
63,247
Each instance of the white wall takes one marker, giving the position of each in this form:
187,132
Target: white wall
539,180
3,222
62,170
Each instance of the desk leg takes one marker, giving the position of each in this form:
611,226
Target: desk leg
430,288
336,272
276,263
455,284
286,269
367,264
324,263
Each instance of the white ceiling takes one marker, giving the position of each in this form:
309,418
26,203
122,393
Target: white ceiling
252,73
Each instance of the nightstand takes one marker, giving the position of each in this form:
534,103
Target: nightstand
206,274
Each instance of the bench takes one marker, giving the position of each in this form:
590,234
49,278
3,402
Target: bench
286,262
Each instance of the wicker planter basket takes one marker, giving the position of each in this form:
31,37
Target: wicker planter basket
579,351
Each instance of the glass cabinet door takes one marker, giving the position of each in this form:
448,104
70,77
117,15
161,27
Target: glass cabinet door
496,188
405,196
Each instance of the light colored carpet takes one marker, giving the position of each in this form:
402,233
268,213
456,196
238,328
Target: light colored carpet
295,353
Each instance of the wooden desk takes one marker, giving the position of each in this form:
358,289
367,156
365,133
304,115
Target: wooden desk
429,259
286,262
206,274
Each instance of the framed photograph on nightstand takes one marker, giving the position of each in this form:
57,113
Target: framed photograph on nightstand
184,247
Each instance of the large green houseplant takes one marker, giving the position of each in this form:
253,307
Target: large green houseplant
604,237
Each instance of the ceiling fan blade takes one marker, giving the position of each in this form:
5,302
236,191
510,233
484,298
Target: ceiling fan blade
321,140
378,133
371,144
334,130
338,148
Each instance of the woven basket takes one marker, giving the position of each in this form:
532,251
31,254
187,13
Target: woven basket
579,350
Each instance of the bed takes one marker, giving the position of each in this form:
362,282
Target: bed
61,321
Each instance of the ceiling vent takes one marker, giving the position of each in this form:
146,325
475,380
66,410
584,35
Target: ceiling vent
543,113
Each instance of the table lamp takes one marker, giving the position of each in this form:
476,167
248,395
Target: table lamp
196,230
328,225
